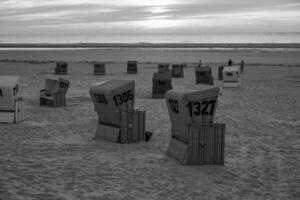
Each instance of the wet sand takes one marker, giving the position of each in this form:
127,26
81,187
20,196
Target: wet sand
52,154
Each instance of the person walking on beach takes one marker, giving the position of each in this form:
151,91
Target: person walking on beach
242,66
230,62
200,63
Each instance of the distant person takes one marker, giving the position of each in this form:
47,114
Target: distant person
242,66
230,62
200,63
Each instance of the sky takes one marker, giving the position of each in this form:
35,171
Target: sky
104,17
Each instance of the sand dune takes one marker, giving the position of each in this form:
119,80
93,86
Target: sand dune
52,155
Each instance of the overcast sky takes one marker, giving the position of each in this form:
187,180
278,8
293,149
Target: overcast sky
153,16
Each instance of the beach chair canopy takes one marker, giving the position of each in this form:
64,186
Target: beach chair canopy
54,84
187,106
9,91
112,97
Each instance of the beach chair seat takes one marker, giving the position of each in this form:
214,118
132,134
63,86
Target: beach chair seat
55,92
11,103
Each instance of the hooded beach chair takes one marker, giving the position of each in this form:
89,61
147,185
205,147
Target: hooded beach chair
118,121
61,68
177,70
204,76
132,67
161,83
195,138
99,69
232,76
55,91
11,104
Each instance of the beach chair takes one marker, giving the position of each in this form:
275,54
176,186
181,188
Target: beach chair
99,69
132,67
195,138
177,70
242,65
61,68
11,103
232,76
118,121
55,91
163,68
204,76
161,83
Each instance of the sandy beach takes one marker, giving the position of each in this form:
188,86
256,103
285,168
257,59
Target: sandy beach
52,154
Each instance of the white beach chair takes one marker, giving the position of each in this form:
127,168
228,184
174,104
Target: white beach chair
195,139
232,76
55,91
11,104
117,120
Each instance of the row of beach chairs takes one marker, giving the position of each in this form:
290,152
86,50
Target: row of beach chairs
196,139
231,74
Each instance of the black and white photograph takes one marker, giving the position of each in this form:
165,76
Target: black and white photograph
149,100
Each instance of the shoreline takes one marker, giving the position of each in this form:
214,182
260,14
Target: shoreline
150,45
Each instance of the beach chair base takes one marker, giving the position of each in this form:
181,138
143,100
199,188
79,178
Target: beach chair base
13,116
232,84
56,100
131,130
205,146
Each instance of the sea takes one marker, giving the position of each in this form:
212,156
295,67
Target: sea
155,38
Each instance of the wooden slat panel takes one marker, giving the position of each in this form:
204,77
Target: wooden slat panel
196,145
210,144
207,144
201,146
132,127
124,128
135,128
142,124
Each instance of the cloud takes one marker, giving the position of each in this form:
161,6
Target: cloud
155,16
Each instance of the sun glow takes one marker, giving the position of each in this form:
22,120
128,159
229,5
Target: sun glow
154,23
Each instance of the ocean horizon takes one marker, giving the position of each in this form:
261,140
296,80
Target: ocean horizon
156,38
